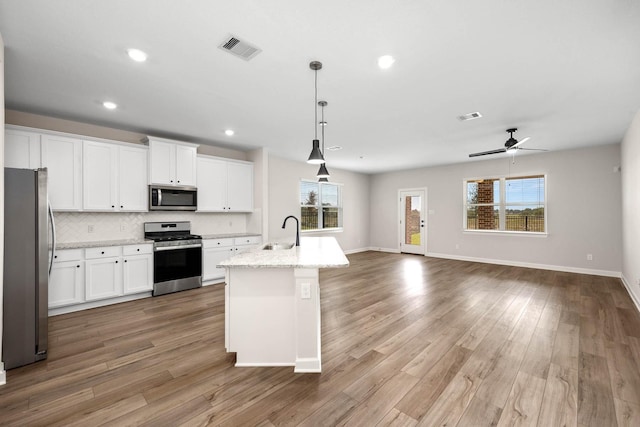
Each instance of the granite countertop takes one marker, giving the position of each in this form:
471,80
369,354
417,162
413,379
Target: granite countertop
313,252
83,245
228,235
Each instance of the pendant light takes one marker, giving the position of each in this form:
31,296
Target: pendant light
316,157
323,173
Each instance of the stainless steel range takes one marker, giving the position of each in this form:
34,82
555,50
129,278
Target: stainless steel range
177,256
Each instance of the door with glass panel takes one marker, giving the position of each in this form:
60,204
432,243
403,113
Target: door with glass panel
412,230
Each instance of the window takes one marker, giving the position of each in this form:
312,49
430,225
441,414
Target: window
320,206
506,204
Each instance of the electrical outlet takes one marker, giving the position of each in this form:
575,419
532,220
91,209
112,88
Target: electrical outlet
305,290
457,246
123,227
90,228
589,257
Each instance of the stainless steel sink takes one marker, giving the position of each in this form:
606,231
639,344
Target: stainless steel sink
277,246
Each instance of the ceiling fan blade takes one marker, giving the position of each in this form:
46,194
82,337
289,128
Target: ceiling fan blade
533,149
484,153
519,143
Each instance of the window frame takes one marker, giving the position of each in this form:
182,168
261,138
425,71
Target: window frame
340,206
502,206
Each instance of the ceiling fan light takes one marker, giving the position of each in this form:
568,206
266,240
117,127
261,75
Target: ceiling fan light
316,157
323,172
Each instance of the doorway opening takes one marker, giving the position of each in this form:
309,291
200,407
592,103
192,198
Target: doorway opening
411,212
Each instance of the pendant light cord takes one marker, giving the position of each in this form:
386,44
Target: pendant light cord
315,105
323,126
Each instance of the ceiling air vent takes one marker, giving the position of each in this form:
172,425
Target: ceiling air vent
470,116
239,48
334,148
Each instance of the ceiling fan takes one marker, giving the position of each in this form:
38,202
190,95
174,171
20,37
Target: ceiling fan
512,145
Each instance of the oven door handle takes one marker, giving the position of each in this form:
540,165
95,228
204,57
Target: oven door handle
174,248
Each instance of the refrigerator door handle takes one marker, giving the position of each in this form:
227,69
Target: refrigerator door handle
53,236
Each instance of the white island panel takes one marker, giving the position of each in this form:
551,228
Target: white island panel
272,303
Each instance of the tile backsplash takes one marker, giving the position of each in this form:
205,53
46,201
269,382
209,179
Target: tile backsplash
74,227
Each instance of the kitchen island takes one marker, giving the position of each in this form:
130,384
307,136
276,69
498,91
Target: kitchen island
272,303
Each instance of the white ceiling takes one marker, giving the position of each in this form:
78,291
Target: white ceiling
567,73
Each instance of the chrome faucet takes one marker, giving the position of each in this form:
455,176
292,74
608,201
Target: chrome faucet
297,228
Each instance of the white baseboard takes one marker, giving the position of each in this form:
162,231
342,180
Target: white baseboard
3,374
633,296
566,269
94,304
355,251
390,250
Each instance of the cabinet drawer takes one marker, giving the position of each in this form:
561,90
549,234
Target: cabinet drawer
68,255
103,252
137,249
249,240
217,243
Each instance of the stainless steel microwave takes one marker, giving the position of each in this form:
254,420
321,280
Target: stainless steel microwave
171,198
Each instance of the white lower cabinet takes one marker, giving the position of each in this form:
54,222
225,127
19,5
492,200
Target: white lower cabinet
213,252
81,276
137,268
66,283
216,250
103,273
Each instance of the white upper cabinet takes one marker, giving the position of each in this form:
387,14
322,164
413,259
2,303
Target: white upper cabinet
239,187
100,176
62,156
224,185
132,173
186,165
212,184
21,149
172,163
115,177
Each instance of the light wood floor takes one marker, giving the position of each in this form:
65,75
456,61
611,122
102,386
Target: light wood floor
407,340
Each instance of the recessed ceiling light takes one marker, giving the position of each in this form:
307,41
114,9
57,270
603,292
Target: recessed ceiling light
229,132
109,105
137,55
385,61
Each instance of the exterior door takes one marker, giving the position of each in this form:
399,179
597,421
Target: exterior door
412,231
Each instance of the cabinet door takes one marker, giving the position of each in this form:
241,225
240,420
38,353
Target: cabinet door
211,258
239,187
212,185
185,165
66,283
162,162
103,278
63,158
137,273
132,179
99,174
21,149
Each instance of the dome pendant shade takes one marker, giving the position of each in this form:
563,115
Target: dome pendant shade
316,157
323,180
323,172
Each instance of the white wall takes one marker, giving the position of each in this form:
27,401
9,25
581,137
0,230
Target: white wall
631,209
2,371
284,200
257,221
583,203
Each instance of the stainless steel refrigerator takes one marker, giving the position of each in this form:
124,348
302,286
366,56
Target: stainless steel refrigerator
26,266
